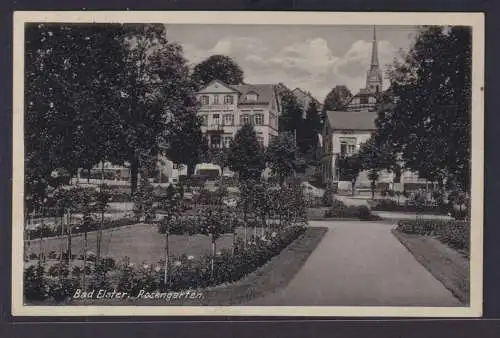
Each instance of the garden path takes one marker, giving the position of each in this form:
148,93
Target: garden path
360,264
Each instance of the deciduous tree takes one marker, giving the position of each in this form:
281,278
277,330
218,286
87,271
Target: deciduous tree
218,67
281,156
430,123
246,156
336,98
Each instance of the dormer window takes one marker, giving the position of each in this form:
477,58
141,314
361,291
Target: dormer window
252,96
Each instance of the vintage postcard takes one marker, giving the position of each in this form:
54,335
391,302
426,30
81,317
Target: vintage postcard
247,163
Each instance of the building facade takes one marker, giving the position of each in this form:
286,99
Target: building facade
345,131
305,98
343,134
225,109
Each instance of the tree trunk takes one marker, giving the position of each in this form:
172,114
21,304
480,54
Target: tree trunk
213,257
61,218
134,172
69,238
84,259
245,221
166,272
101,225
353,187
234,240
40,255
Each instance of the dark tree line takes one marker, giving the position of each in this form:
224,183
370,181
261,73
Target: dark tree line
430,124
97,93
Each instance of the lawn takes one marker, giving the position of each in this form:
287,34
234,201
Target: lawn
448,266
139,242
275,274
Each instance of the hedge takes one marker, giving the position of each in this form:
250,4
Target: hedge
455,233
340,210
46,231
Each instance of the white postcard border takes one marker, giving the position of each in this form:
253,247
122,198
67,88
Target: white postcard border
476,20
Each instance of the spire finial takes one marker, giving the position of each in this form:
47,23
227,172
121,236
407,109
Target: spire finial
374,63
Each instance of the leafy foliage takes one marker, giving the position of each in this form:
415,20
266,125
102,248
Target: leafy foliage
281,156
246,157
336,99
310,130
218,67
430,123
350,167
454,233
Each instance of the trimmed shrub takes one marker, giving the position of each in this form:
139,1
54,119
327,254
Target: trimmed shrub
35,286
409,206
62,288
340,210
455,233
77,229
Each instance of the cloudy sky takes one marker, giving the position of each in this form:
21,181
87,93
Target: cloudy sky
314,58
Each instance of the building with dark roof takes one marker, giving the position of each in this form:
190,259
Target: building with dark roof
346,130
225,108
305,98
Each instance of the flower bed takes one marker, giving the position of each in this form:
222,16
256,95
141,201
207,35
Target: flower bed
46,231
391,205
185,272
340,210
455,234
427,207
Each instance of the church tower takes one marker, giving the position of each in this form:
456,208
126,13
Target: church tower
374,75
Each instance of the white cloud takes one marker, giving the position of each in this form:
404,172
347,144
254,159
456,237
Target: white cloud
308,64
354,64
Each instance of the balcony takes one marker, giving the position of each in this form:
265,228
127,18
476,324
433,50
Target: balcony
215,128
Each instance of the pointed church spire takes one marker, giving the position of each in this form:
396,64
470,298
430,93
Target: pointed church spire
374,74
374,63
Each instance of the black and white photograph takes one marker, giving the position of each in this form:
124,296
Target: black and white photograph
225,163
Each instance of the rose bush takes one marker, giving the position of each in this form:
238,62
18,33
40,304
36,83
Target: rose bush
454,233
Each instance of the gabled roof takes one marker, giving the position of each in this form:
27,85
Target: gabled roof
215,81
353,120
265,92
304,97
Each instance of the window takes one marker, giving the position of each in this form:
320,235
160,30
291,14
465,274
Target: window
343,149
347,145
259,119
260,140
227,141
245,119
216,99
251,97
216,119
204,100
363,99
215,141
228,99
228,120
204,120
